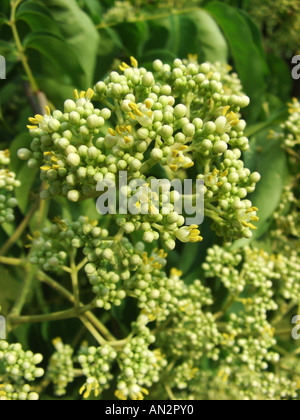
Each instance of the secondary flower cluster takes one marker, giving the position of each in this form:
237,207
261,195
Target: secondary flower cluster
281,21
179,116
18,367
189,344
290,134
8,183
126,11
115,267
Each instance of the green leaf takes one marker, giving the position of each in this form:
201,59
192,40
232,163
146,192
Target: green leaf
249,62
189,33
57,93
280,83
27,177
80,33
58,52
188,257
210,40
95,10
37,17
134,37
9,287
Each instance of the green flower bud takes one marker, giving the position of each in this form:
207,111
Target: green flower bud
158,65
73,159
166,131
255,177
69,106
220,147
74,117
93,121
24,154
157,154
189,130
148,79
73,195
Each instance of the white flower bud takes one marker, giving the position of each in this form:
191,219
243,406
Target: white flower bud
157,154
73,159
148,79
24,154
69,106
73,195
93,121
54,125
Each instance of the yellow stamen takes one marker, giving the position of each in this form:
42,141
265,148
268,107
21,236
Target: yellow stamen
132,116
76,94
148,104
138,113
48,111
112,132
90,93
134,62
226,109
133,106
39,118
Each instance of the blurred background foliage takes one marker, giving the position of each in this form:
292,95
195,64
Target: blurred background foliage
55,46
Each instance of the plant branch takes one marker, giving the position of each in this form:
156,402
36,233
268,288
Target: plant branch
17,234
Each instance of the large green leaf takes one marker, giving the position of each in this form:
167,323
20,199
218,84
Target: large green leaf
58,52
27,177
246,53
9,287
211,42
37,17
189,33
80,33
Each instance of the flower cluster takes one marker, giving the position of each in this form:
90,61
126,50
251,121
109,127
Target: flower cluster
290,129
188,335
96,366
140,367
128,10
16,368
8,182
61,368
179,116
281,22
121,11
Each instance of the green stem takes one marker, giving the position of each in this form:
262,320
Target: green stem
56,316
20,302
101,327
75,283
146,18
21,50
12,261
64,292
170,393
14,238
101,341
